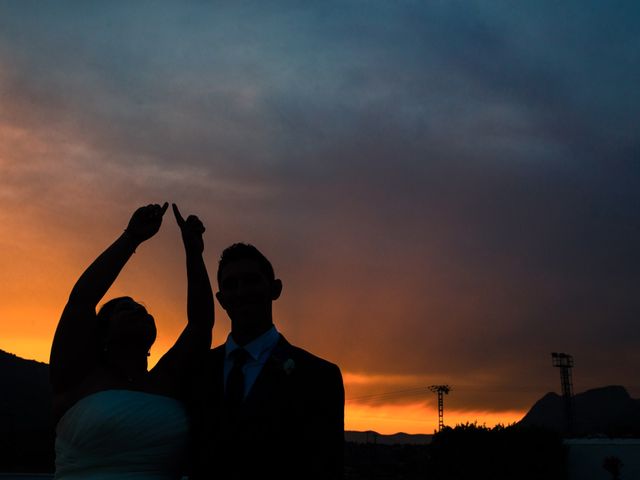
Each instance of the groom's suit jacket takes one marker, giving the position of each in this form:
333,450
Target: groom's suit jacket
291,424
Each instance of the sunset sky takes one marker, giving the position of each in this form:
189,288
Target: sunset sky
449,190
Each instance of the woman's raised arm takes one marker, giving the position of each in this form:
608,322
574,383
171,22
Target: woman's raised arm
75,349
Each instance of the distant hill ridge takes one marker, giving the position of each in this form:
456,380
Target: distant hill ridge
399,438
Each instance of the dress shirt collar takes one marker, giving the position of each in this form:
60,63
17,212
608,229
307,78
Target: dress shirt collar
258,347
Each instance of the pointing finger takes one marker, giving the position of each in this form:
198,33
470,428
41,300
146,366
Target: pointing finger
164,207
177,214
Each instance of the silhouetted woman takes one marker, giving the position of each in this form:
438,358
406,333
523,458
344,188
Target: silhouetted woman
114,418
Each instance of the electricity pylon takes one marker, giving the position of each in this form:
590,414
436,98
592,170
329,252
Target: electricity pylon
565,363
440,390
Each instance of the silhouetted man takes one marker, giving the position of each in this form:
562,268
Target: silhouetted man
264,408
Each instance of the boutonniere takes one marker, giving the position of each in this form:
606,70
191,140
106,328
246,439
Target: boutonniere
288,366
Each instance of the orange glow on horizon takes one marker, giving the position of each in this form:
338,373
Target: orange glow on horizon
417,418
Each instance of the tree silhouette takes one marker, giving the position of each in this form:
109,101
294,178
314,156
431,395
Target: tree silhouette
476,451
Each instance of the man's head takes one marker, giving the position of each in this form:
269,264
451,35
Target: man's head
246,288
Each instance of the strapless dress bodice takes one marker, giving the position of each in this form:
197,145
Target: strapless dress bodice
122,434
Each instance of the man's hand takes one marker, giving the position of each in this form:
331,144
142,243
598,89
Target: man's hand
192,229
145,222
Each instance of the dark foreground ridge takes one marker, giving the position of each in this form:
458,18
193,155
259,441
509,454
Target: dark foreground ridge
26,433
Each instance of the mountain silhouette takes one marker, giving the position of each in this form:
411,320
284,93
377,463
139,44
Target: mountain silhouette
607,411
26,432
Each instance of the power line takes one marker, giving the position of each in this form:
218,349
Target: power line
420,390
416,390
468,388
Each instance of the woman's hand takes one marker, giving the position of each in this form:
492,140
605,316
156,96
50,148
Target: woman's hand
145,222
192,229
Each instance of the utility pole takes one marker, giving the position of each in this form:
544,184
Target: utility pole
440,390
564,362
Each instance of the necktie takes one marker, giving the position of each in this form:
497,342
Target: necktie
235,380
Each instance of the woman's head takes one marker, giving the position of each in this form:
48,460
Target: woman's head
126,331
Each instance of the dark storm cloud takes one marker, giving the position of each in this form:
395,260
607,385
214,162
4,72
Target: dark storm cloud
464,174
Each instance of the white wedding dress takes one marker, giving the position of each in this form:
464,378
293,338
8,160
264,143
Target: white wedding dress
122,434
